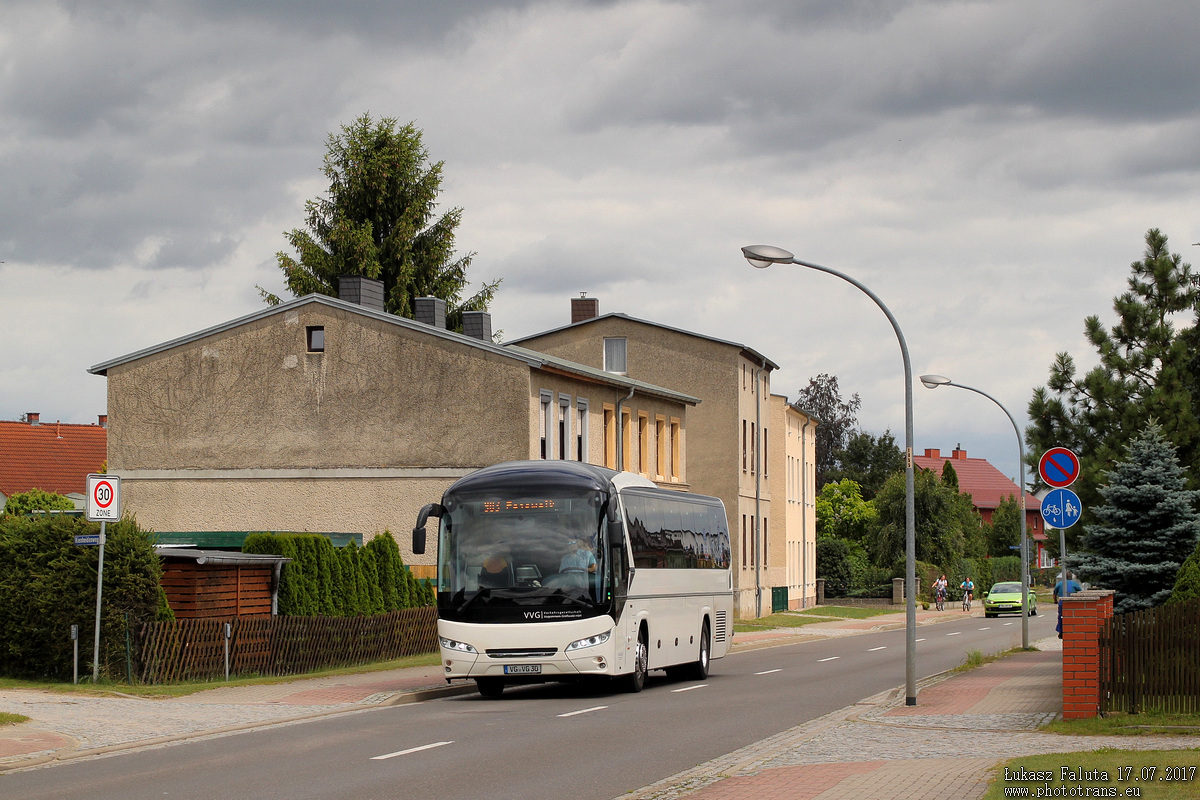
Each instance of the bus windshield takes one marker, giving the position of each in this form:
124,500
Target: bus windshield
517,557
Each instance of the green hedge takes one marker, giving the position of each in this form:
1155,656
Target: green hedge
322,580
48,584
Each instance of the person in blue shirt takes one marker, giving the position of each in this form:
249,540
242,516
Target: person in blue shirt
578,559
1059,593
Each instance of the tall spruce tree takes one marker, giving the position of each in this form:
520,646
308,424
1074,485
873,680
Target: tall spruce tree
378,220
1147,526
1147,370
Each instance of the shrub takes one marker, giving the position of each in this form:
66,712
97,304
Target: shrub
48,583
37,500
322,580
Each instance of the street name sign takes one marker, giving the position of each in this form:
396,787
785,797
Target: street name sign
1061,508
87,539
1059,467
103,498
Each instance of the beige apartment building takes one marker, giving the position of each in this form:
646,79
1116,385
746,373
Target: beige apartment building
330,415
774,560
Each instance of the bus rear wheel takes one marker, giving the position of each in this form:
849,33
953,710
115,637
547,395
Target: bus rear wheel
490,687
636,680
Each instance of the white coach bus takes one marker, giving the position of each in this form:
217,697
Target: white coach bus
557,570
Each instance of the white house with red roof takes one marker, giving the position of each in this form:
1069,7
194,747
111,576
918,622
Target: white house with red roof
987,487
52,456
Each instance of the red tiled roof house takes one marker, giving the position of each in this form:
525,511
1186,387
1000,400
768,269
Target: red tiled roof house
987,487
51,456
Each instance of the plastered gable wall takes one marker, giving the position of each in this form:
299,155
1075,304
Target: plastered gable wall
380,395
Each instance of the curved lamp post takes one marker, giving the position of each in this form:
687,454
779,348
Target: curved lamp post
762,256
934,381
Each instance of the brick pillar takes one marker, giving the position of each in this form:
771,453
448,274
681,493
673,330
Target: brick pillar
1082,615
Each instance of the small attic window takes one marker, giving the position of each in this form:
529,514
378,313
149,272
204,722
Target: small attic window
316,338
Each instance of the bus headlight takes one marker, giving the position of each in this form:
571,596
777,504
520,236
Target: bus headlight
461,647
591,641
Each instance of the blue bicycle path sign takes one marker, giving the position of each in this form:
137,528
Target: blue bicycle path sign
1061,508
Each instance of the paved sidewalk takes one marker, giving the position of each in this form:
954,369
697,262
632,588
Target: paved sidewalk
963,725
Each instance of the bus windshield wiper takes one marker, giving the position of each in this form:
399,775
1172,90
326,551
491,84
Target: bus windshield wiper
479,593
563,594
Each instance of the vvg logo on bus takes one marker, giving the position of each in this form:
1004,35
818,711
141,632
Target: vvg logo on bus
554,614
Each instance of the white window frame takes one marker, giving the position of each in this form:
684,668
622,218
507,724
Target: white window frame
564,427
609,360
547,424
581,430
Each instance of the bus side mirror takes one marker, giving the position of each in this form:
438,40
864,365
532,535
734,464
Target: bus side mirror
431,510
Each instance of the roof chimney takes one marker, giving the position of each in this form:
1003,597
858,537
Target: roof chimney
104,420
584,308
32,417
361,290
478,325
933,453
959,453
430,311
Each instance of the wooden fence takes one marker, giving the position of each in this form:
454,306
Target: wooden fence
194,649
1150,660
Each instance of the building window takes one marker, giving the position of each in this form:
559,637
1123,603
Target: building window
753,450
764,453
660,437
626,438
745,449
316,338
581,430
765,561
546,425
676,449
610,437
744,548
614,356
564,427
643,458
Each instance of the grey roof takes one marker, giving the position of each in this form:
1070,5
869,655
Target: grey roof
229,557
529,357
757,356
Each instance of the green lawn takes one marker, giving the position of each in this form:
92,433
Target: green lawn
11,719
849,612
773,621
183,689
1121,724
1154,774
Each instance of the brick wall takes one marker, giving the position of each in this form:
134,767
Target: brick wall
1082,615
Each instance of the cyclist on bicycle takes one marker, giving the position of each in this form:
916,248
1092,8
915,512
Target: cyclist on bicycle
939,588
968,587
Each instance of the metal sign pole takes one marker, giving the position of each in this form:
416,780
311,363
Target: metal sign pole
99,592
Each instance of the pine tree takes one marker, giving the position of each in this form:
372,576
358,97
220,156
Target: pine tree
1147,527
1147,370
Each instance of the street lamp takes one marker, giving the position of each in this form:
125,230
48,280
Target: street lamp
762,256
934,381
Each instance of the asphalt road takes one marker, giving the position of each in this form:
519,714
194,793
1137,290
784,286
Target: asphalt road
536,742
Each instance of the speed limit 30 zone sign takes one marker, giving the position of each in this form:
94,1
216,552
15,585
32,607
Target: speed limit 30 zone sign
103,498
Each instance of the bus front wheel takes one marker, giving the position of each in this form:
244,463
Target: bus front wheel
641,664
490,687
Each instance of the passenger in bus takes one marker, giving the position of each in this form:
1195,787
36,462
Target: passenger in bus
495,573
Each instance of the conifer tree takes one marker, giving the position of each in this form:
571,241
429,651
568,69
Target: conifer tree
1147,527
1187,581
378,219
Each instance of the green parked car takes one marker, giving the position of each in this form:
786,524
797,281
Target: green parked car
1005,598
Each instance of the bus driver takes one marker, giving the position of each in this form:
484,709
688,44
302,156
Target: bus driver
579,559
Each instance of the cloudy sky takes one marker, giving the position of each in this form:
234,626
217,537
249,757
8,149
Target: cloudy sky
988,168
